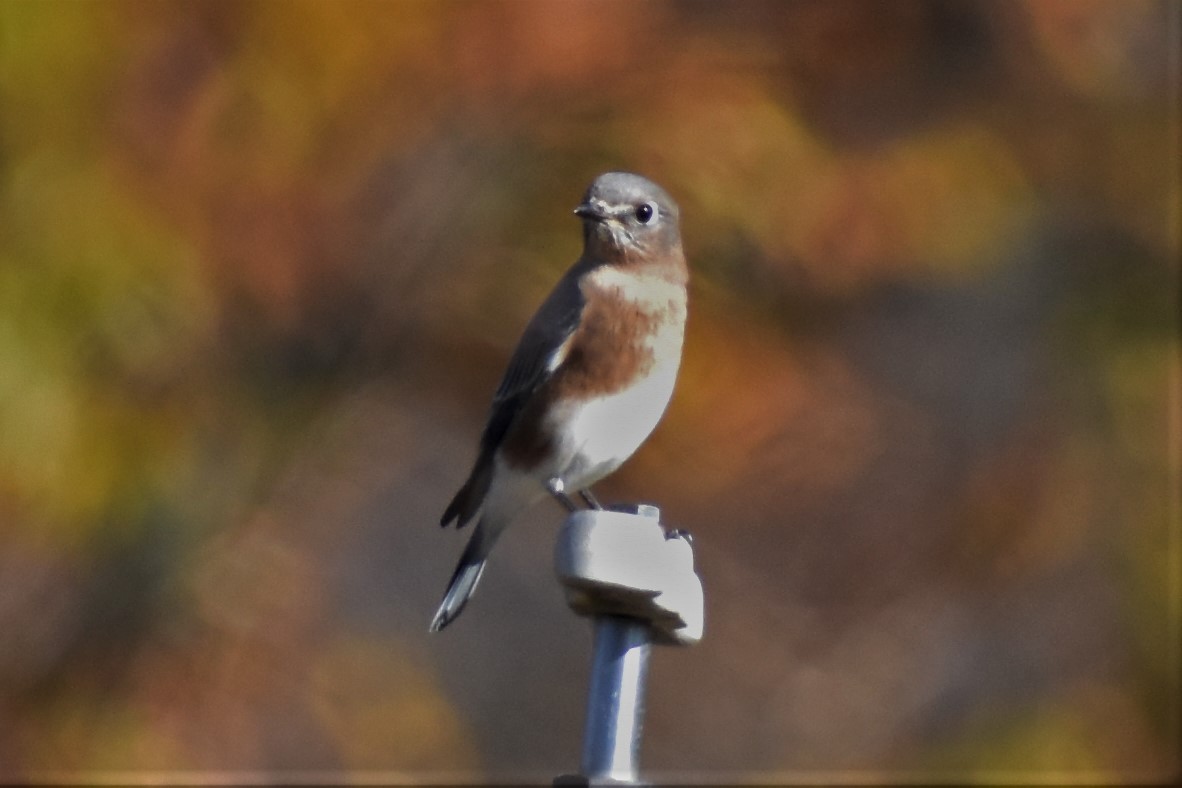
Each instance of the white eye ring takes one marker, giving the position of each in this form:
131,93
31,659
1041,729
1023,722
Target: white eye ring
646,213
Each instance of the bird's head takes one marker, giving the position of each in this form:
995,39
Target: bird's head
629,218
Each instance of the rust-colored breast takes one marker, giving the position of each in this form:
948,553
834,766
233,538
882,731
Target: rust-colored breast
617,342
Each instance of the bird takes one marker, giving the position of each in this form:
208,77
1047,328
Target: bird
590,377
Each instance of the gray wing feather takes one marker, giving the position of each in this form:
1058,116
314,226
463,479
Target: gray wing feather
536,357
538,354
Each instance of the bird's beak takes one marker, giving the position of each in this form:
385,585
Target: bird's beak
594,210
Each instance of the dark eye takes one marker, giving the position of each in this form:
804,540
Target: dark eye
645,212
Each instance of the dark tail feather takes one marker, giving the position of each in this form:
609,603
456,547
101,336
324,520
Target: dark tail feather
467,501
463,580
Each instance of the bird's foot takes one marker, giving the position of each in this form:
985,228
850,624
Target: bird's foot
590,499
558,490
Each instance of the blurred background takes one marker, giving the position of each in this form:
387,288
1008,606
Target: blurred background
261,267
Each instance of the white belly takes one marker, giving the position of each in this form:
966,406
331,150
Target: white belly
602,433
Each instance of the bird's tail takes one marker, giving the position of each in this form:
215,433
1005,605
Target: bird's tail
464,579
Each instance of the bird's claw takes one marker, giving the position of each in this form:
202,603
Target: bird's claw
558,490
590,500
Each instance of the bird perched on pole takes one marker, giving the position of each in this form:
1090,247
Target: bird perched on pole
591,375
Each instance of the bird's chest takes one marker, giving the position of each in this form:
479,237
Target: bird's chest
631,328
617,382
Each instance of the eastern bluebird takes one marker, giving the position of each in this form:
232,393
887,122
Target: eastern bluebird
591,375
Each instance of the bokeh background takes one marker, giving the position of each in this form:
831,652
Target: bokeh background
261,266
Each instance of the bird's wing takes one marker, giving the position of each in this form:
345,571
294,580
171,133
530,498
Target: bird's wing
540,351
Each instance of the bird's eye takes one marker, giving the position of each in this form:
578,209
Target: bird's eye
645,212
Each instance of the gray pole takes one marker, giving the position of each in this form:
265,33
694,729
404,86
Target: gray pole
615,701
637,584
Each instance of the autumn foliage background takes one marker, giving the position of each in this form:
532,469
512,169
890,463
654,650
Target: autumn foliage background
262,263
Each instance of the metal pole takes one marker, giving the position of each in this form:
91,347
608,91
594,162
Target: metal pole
637,584
615,701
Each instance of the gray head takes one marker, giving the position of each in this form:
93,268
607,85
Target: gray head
630,216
